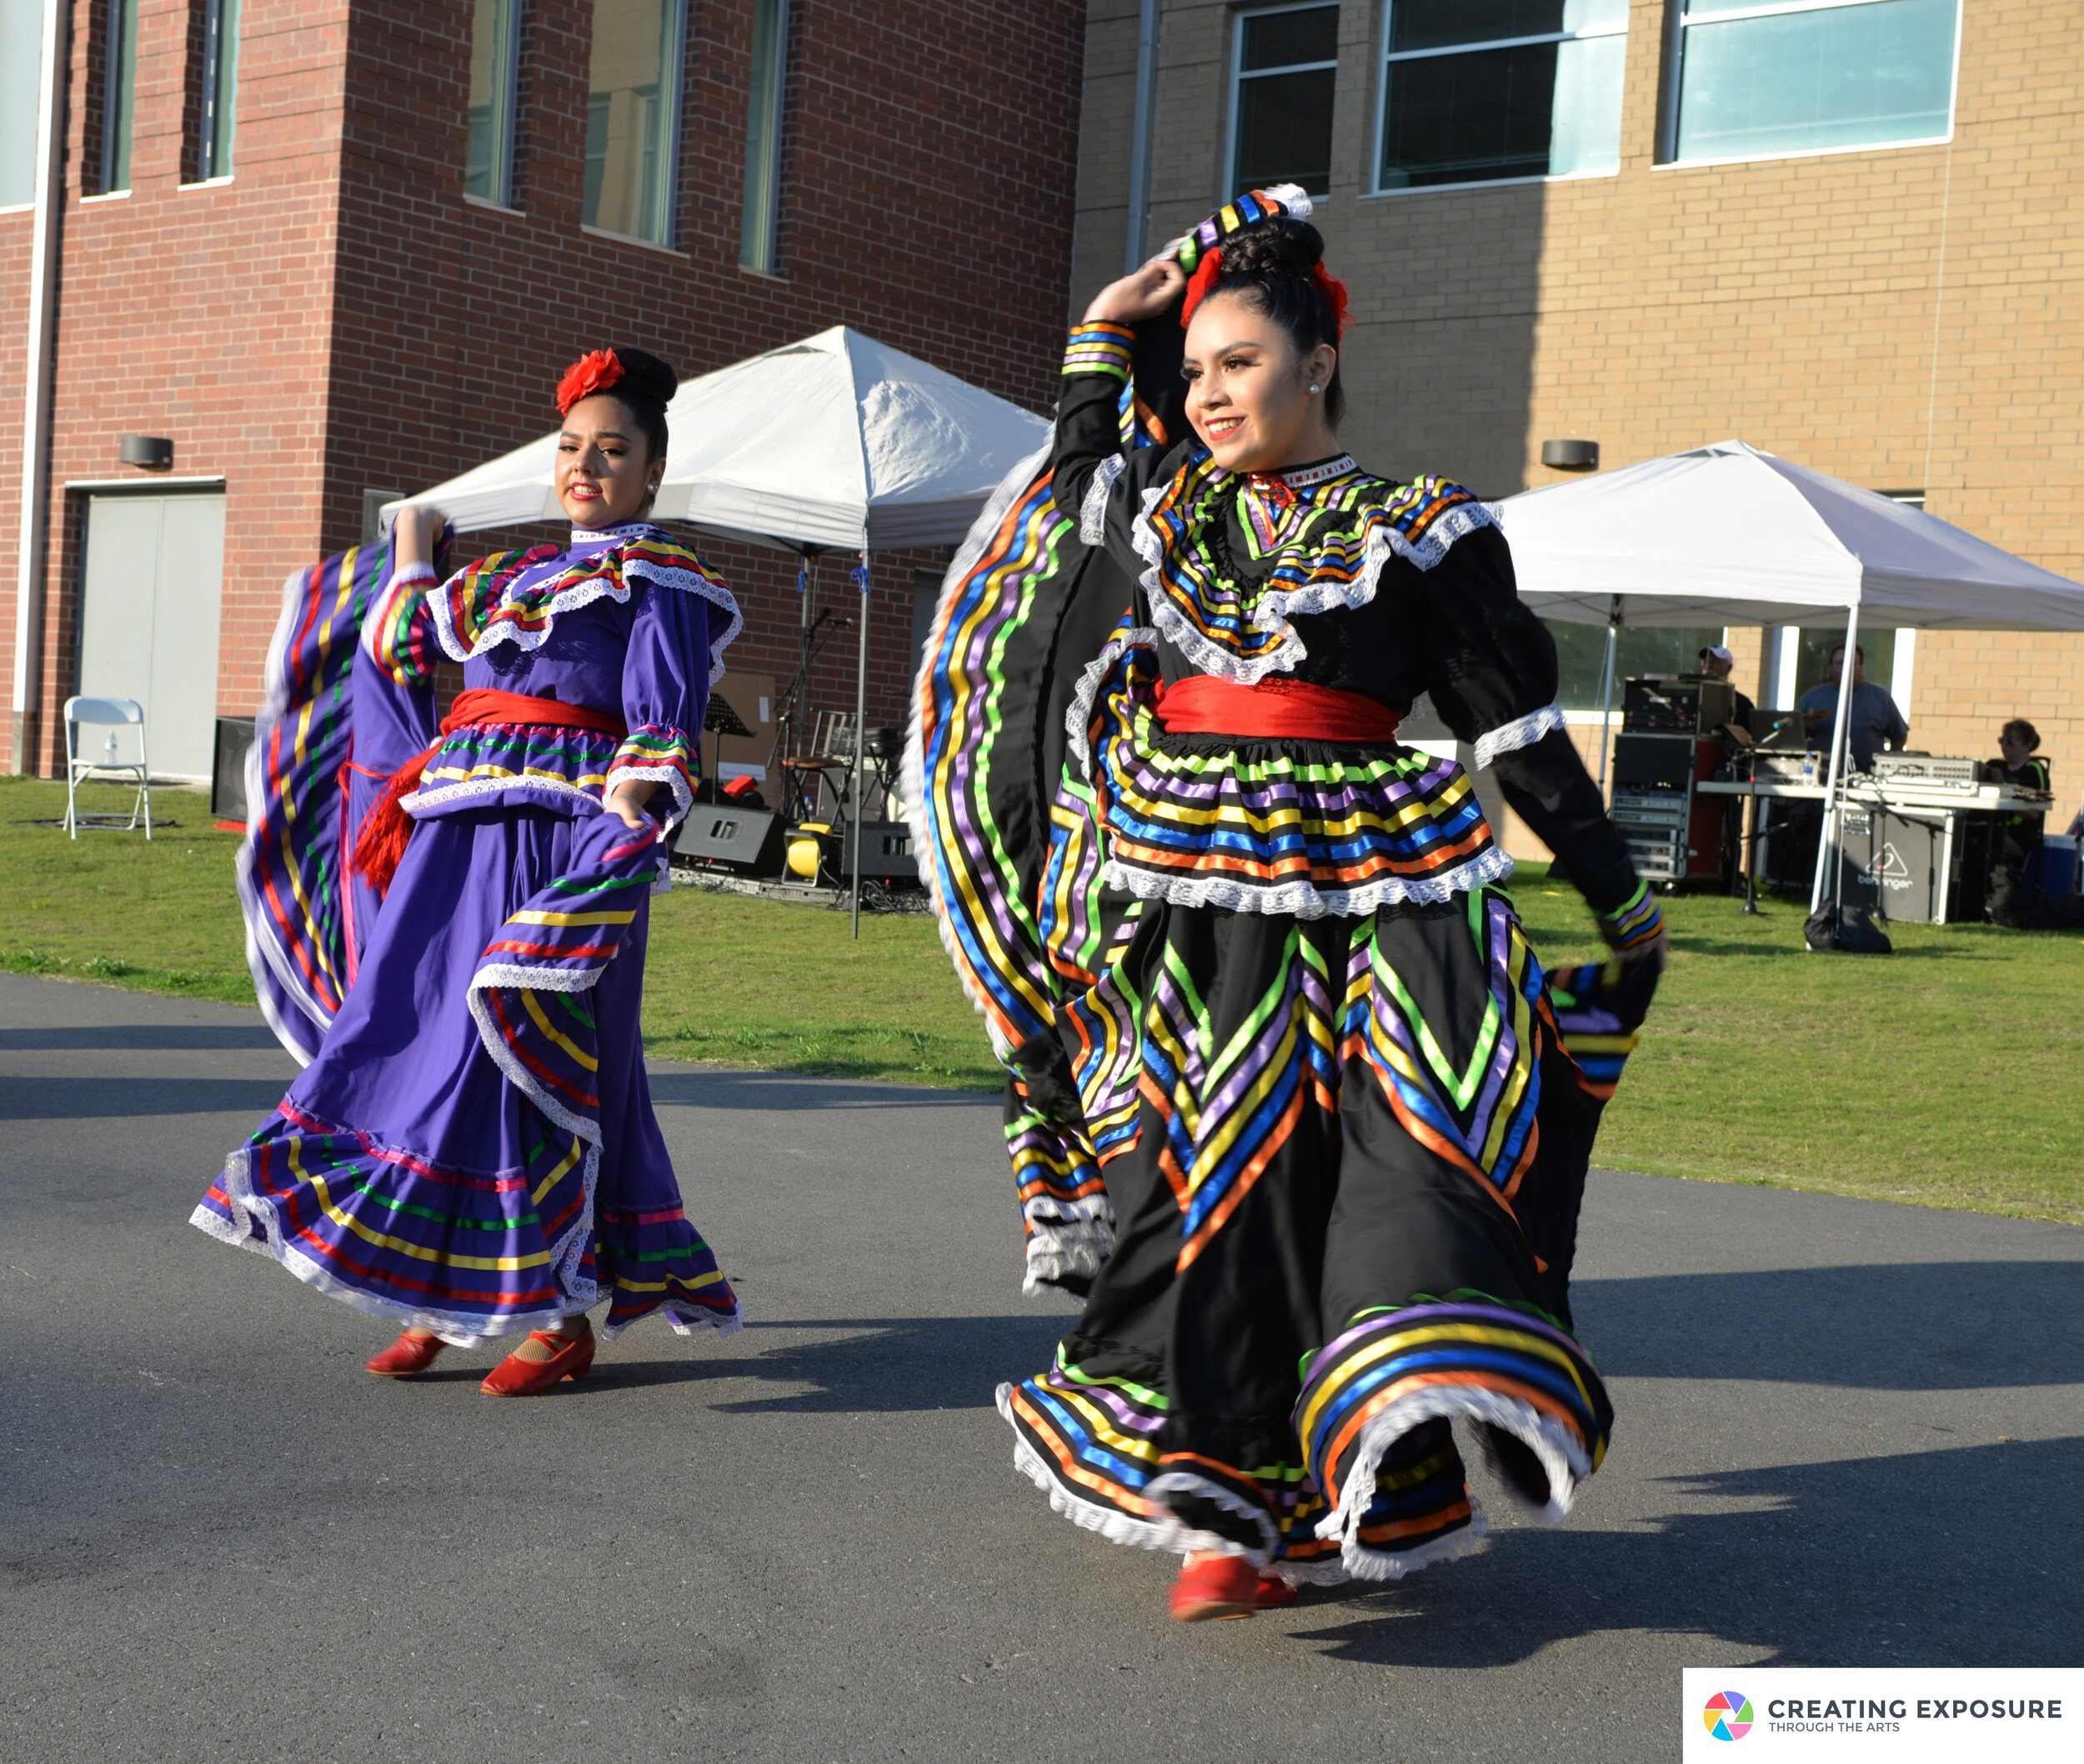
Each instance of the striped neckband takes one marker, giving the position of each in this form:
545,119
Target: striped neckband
1303,477
621,533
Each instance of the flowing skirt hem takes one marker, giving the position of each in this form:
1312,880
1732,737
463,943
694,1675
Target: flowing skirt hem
1114,1525
1561,1455
457,1331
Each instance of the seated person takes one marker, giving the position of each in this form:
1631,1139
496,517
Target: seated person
2023,769
1717,663
1873,720
2019,835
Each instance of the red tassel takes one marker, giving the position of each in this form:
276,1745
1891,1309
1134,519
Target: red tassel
1201,284
1334,290
380,847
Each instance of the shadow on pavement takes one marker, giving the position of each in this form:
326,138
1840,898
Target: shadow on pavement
108,1098
762,1091
177,1037
1941,1558
882,1365
1881,1326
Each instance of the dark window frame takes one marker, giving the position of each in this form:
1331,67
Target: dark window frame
768,100
1386,57
1672,78
215,153
117,100
506,113
1238,74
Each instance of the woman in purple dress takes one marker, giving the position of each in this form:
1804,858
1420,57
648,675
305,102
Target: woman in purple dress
455,944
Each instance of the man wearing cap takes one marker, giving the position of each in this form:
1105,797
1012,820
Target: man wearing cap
1715,665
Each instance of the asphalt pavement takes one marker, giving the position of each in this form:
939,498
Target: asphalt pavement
1847,1434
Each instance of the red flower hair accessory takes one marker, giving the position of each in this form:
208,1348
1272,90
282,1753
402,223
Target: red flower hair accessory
1202,283
1334,291
590,373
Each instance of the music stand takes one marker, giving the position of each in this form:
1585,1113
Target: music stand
721,719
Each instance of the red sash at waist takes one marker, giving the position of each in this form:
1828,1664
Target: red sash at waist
381,842
1274,710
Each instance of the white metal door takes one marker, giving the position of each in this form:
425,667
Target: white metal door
148,623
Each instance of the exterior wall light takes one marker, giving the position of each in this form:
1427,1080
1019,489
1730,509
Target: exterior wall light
1570,456
154,452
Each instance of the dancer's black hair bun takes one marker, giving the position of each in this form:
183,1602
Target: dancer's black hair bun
1274,247
646,376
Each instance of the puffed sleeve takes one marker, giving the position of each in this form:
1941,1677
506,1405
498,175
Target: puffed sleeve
665,694
1490,668
1092,480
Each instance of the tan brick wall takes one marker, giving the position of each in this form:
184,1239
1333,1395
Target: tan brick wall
1902,318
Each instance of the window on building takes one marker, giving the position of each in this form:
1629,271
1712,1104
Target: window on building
21,75
119,92
1763,77
1482,91
1812,657
1284,62
632,117
495,35
1581,655
220,87
759,228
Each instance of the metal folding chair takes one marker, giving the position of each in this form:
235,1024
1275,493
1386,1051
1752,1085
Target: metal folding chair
111,714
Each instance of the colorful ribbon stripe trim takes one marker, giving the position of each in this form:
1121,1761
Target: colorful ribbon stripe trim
1329,540
1097,347
292,885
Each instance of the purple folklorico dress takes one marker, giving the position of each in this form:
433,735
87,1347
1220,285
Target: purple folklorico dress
470,1146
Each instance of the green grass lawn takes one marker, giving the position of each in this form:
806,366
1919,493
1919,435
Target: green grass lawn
1951,1073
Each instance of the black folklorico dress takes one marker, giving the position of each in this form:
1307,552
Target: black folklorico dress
1291,1099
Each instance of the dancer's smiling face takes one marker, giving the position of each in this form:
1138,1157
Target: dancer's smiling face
605,473
1247,388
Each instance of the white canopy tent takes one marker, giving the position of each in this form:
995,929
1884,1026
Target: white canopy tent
1726,534
838,442
834,444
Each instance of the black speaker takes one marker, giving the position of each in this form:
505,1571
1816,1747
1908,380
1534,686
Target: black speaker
747,840
228,771
886,852
1654,763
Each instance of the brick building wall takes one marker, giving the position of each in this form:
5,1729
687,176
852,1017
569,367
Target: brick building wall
198,313
1904,318
340,317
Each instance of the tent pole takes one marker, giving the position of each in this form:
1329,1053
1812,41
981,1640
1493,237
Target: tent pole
1841,729
804,590
1606,689
860,735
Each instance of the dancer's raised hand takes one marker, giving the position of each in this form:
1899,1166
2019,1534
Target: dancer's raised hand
1142,293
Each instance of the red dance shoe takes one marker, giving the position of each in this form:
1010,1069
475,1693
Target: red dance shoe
407,1356
1222,1586
571,1356
1273,1590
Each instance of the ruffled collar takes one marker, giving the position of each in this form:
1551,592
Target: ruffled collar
517,597
1327,530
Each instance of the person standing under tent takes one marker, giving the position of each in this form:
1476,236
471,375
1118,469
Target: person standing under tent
1343,1138
471,1149
1873,720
